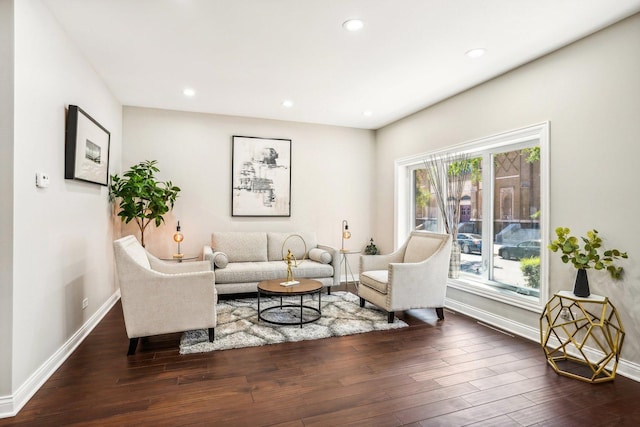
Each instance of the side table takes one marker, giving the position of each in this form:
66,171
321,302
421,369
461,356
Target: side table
344,263
581,336
183,258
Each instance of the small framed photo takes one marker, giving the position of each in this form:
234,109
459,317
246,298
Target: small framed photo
261,177
86,148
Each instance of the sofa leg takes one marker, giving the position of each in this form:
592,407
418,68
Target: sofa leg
390,317
440,313
361,302
212,334
328,290
133,343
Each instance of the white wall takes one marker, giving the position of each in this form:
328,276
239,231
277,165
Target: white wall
62,234
590,93
6,190
332,171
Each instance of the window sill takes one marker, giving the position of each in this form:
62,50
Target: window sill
504,296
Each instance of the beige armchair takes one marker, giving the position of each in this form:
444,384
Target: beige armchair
414,276
160,297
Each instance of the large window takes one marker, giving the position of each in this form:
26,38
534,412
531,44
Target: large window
502,213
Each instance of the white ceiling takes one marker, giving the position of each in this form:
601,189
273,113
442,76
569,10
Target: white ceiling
244,57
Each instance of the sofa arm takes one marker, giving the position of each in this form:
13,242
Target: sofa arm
335,262
207,255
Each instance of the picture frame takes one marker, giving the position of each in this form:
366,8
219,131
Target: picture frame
261,177
87,145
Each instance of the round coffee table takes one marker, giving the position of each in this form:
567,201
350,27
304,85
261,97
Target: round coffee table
273,288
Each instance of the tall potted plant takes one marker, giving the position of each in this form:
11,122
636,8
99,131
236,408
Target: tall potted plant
141,197
591,255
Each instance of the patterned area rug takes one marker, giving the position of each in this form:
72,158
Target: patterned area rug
238,323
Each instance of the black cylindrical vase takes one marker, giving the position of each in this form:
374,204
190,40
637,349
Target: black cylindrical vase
581,287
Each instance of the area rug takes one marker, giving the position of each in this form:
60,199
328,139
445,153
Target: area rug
238,324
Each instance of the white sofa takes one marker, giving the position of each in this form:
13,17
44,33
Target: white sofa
241,260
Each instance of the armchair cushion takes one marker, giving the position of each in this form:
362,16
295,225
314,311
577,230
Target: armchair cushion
376,279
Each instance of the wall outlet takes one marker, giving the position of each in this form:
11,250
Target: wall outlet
85,303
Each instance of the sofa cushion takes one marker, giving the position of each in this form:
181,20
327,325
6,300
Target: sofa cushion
375,279
241,246
244,272
320,255
275,242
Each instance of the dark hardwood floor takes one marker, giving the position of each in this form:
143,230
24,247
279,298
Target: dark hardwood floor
449,373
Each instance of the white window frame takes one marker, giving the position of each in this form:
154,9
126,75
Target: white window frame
511,140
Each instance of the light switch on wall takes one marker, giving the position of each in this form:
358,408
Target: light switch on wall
42,179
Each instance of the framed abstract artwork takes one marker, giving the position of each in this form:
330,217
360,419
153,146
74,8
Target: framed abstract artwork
86,148
261,176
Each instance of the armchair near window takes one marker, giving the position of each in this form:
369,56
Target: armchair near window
160,297
414,276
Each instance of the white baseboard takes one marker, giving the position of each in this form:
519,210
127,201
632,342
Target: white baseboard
12,404
626,368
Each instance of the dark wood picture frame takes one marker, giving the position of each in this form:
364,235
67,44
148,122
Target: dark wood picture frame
261,176
87,145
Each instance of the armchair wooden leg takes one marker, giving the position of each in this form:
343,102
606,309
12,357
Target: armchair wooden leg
361,302
328,290
133,343
390,317
440,313
212,334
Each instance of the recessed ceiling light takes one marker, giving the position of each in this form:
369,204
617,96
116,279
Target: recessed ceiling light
353,25
287,103
189,92
476,53
367,113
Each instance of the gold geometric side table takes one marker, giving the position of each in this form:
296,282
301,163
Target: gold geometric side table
581,336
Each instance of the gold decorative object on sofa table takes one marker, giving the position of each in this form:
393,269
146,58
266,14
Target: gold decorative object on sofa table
582,336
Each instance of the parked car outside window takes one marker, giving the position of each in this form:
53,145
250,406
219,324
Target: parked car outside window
526,249
470,242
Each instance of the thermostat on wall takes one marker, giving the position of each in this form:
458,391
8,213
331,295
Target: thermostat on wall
42,179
